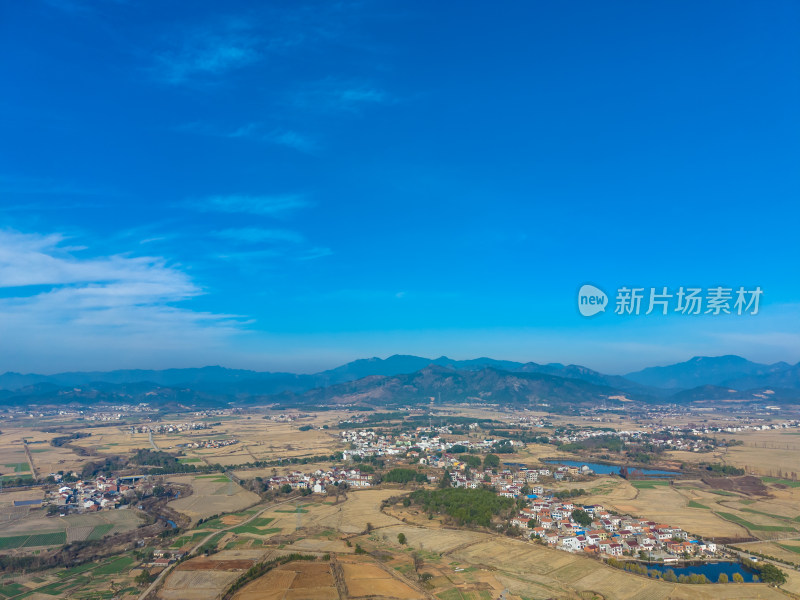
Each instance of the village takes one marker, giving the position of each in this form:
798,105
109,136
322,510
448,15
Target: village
91,495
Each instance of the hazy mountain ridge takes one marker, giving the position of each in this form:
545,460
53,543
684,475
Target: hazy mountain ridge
705,370
487,385
406,378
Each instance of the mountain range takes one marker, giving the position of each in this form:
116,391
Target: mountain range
406,379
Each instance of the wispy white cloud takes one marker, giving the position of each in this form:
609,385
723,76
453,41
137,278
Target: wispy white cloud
252,235
293,139
214,50
281,137
62,308
27,260
255,205
255,131
337,95
314,253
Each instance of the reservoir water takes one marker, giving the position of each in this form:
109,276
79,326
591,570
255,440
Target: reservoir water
710,570
602,469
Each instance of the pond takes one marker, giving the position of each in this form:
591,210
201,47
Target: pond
602,469
710,570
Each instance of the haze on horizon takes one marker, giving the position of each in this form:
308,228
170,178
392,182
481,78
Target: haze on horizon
291,188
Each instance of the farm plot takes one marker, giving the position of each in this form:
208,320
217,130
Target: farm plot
352,515
186,584
434,540
365,579
46,538
211,496
292,581
72,528
669,504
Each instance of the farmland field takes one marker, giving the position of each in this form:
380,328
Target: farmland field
60,530
293,581
365,579
211,496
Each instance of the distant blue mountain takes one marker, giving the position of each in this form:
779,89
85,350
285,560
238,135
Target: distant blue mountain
718,377
704,370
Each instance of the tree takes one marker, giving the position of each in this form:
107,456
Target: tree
418,562
737,578
581,517
491,461
471,460
723,578
144,577
446,480
401,538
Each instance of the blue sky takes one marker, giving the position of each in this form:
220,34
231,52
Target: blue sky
294,185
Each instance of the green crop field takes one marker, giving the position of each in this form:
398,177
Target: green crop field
118,565
752,526
17,476
99,531
795,549
19,467
452,594
788,482
53,538
647,484
186,539
12,589
693,504
76,570
15,541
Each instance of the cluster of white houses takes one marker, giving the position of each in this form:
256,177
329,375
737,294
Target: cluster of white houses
93,495
209,443
171,427
609,534
365,442
319,481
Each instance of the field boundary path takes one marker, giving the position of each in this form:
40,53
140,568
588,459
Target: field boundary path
30,459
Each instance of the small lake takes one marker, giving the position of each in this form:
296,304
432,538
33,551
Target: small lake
710,570
602,469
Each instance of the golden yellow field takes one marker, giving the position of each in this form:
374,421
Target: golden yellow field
211,495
